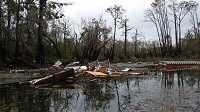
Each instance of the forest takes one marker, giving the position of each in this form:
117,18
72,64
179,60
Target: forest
36,32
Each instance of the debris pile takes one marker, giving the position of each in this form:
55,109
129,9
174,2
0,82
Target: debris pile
74,72
96,70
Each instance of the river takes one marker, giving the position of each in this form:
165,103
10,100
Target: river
160,90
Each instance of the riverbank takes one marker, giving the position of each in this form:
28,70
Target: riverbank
20,76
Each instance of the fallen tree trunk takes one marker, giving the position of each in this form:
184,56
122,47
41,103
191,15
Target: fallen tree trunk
57,77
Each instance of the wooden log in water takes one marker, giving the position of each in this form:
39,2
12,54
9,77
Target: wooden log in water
103,75
114,74
57,77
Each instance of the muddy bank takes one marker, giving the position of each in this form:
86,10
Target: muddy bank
7,78
23,76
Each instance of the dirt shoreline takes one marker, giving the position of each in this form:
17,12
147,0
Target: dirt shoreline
23,76
7,78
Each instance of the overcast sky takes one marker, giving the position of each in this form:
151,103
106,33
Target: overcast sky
135,13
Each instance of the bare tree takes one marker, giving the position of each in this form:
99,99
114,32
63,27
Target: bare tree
178,12
124,25
158,14
192,8
135,39
193,13
116,12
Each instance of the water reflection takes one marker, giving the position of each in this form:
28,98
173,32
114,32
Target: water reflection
180,78
98,95
19,99
159,91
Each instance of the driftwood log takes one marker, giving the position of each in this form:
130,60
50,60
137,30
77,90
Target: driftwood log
57,77
115,74
103,75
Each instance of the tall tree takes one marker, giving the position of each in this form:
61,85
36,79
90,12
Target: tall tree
40,48
49,12
116,12
66,32
178,12
17,43
193,12
29,31
126,27
135,38
6,11
10,6
192,8
158,14
1,34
